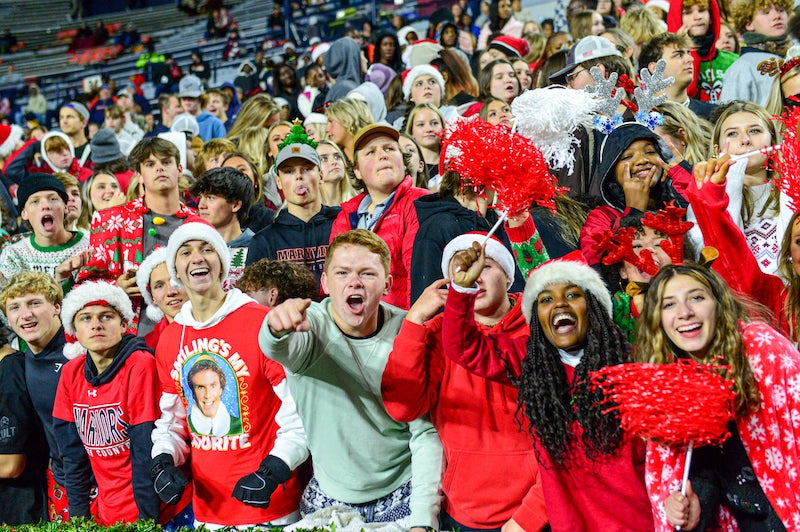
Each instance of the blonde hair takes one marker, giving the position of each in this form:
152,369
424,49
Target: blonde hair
641,24
680,122
255,112
416,110
27,283
772,206
254,143
655,347
346,188
581,24
86,190
536,41
366,239
352,114
211,149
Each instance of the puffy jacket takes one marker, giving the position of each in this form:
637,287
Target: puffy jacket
398,227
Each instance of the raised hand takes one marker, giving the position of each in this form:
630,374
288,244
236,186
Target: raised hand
289,316
429,302
468,264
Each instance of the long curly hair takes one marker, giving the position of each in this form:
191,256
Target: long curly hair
655,347
552,404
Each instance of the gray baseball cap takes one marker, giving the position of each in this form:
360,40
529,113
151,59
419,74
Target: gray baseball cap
297,151
190,87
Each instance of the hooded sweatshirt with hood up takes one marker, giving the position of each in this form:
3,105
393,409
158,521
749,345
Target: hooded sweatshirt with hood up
255,392
343,63
710,64
607,216
373,97
21,163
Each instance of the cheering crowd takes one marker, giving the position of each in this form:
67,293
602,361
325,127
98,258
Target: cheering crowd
351,300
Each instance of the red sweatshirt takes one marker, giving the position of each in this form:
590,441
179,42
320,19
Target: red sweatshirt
584,495
491,474
736,263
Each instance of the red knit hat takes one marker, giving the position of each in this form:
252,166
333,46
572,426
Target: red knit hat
511,46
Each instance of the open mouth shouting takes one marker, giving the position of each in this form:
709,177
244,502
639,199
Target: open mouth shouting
564,323
355,303
48,222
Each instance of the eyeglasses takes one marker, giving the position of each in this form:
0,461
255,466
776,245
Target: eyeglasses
572,75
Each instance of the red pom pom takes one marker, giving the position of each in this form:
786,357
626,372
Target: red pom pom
786,161
487,155
672,404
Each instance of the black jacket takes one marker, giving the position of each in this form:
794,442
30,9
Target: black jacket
291,239
440,221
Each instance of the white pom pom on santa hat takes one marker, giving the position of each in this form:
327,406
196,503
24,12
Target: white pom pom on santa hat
9,136
156,257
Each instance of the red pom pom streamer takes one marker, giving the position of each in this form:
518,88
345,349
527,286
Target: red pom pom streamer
786,161
670,221
672,404
487,155
617,246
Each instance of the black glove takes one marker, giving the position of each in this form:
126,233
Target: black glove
168,481
256,488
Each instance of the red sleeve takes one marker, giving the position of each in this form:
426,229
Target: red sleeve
62,407
532,515
273,371
143,388
681,176
410,229
166,354
736,263
599,220
490,356
98,266
413,373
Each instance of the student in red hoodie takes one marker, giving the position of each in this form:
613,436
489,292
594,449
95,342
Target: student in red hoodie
700,20
592,471
472,414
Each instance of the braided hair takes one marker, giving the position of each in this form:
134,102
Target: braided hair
552,404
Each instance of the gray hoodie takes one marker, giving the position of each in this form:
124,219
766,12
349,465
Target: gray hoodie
343,63
373,97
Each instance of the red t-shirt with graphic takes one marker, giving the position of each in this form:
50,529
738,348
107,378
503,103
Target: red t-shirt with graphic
225,382
102,416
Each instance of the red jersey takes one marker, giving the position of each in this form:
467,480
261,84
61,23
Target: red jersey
103,416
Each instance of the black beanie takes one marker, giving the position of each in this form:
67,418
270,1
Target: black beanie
36,183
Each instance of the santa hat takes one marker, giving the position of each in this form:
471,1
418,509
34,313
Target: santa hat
318,50
196,230
9,136
88,294
511,46
417,71
571,268
494,250
156,257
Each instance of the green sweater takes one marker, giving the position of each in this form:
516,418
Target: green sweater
359,453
